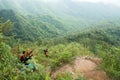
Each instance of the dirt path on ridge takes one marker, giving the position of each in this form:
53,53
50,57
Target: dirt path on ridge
83,65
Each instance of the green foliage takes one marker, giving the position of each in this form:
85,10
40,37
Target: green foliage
6,27
97,40
65,76
62,54
68,76
111,63
81,78
40,74
8,61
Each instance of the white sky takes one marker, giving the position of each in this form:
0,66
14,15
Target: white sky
112,2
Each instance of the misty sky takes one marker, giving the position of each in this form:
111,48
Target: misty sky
111,2
115,2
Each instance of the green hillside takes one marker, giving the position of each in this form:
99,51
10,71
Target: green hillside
39,19
67,29
32,28
103,43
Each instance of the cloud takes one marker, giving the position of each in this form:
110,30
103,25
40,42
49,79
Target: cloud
46,1
109,2
113,2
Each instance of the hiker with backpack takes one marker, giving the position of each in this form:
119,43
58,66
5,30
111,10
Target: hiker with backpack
46,52
25,56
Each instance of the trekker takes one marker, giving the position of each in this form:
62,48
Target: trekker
25,56
22,56
46,52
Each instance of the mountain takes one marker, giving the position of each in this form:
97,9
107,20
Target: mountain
64,7
68,30
35,19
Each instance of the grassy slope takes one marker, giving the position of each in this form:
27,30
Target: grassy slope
98,43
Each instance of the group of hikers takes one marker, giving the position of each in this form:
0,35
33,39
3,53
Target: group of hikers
28,54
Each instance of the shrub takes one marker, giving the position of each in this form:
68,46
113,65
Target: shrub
111,63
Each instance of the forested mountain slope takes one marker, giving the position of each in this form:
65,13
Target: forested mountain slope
40,19
32,28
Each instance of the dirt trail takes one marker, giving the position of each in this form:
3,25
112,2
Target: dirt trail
83,65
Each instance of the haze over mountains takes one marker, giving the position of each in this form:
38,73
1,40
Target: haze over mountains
62,8
54,17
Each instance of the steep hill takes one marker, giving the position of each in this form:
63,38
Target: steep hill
35,19
31,28
103,43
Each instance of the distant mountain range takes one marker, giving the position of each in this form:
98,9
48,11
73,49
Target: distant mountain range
63,8
58,18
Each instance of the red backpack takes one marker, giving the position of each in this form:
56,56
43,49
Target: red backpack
21,57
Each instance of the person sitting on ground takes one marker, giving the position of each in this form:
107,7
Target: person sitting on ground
25,56
46,52
22,56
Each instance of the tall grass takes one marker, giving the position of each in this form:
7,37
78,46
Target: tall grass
111,63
